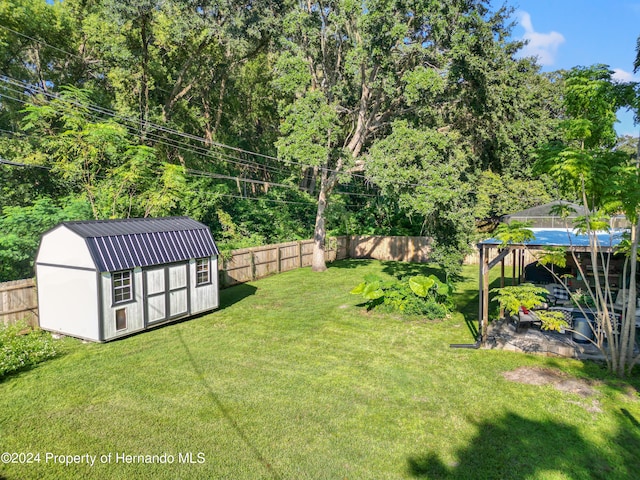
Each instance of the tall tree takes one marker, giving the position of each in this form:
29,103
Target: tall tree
428,170
98,160
365,64
177,63
587,166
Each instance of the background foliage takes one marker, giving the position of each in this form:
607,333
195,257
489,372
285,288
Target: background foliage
419,117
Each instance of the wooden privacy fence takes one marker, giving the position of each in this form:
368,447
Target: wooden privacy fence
249,264
401,249
18,300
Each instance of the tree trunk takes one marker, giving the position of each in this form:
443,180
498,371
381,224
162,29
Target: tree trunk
318,263
629,323
629,319
223,89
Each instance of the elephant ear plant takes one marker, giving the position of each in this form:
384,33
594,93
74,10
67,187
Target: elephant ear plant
511,299
416,295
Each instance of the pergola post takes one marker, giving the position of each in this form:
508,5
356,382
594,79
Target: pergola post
483,308
483,290
502,284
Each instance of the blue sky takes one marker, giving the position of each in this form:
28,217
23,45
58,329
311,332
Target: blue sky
567,33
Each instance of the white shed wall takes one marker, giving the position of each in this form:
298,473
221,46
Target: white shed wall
204,297
63,247
68,301
134,309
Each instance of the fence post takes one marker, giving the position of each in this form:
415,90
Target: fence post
252,261
299,254
278,259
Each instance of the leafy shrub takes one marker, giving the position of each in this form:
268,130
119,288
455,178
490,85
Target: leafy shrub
417,295
22,347
529,296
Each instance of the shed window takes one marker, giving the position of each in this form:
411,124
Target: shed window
122,291
202,271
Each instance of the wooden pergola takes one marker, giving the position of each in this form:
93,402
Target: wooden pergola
493,252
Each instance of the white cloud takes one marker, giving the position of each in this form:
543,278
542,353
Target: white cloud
544,46
623,76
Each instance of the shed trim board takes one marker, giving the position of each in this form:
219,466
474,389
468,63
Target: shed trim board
161,255
543,237
87,269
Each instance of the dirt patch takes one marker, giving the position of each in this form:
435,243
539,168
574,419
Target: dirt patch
549,376
628,390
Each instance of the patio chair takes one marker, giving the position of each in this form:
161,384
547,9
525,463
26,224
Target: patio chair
558,295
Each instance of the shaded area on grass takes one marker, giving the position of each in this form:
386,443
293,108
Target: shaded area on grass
235,294
517,447
631,418
215,399
396,269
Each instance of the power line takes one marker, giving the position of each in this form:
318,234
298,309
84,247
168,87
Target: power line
204,152
42,42
176,132
161,140
238,179
16,164
146,123
136,128
262,199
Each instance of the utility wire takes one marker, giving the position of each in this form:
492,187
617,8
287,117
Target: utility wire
204,152
136,122
262,199
42,42
136,129
113,114
176,132
16,164
146,123
178,144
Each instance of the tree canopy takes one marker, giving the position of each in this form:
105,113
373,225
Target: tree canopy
274,121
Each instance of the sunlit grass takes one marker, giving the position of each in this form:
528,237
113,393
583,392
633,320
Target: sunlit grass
291,379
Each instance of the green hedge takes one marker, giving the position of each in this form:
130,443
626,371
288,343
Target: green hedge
22,346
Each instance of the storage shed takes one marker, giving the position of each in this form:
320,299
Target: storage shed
100,280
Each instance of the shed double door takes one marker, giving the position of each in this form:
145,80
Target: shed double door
166,292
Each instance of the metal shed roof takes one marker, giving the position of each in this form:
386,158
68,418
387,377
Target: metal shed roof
140,242
561,237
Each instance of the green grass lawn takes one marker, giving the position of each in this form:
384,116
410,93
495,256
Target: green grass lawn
291,379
